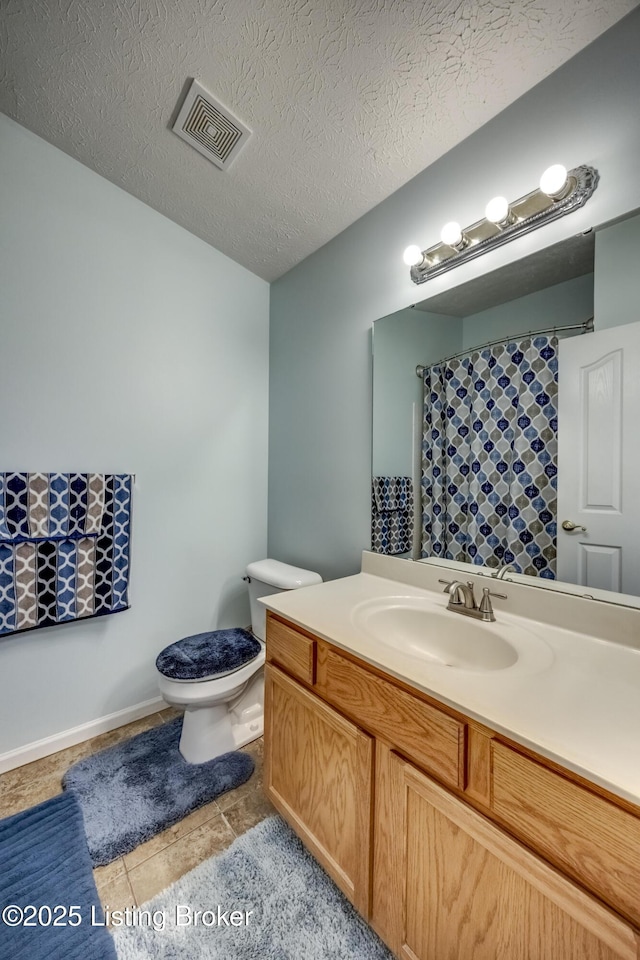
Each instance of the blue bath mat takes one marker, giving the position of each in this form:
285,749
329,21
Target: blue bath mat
46,870
134,790
287,906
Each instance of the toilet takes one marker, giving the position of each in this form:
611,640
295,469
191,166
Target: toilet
218,677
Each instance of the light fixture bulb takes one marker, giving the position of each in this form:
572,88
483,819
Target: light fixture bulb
554,180
451,234
412,256
497,210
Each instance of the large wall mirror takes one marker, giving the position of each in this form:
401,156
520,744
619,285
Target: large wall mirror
513,447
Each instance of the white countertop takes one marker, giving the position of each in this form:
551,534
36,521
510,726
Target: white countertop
579,705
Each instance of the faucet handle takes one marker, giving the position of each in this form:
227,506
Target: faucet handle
490,593
486,607
447,584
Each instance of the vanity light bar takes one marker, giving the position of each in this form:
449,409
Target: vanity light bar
558,194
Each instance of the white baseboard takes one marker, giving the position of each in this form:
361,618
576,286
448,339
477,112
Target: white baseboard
69,738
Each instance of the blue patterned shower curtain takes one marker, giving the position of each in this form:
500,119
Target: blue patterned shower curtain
489,457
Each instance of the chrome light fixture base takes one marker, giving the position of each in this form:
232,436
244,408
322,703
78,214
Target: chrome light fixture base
526,214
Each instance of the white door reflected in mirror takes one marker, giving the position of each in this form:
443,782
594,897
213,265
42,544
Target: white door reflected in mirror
598,460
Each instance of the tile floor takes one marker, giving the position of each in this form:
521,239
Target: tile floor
138,876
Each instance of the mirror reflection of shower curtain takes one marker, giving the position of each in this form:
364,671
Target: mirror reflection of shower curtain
489,457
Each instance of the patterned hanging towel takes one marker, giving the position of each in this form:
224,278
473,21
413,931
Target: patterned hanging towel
64,547
391,515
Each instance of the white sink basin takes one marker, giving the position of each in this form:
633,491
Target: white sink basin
417,628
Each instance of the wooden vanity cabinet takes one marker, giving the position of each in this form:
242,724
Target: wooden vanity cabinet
471,892
318,775
451,842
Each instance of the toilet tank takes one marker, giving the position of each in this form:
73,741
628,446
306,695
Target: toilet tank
270,576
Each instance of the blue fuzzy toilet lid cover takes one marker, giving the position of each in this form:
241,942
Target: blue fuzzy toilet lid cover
205,656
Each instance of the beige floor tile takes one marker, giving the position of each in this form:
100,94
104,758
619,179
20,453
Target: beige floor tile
167,866
170,713
178,830
29,794
248,811
116,893
256,750
124,733
104,875
247,789
56,763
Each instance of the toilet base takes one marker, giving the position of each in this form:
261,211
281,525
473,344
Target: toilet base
244,733
247,712
209,731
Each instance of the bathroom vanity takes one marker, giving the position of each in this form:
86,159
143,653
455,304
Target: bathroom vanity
466,807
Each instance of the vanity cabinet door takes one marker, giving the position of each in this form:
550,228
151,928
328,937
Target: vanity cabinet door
585,835
318,774
471,892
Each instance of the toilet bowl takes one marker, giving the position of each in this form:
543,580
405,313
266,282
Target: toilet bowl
218,677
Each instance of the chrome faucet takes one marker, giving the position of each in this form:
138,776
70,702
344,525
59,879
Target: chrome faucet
501,573
462,600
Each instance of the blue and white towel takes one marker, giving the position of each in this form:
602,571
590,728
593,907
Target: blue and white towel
64,547
391,515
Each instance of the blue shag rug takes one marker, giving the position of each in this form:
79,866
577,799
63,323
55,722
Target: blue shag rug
132,791
295,912
45,870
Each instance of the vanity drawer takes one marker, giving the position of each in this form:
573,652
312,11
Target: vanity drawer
590,838
423,733
292,650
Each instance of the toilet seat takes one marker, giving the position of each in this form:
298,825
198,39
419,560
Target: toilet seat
208,656
222,687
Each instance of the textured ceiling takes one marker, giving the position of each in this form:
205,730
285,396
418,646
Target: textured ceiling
347,99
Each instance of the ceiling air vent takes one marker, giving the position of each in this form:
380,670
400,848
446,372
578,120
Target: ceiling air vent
210,128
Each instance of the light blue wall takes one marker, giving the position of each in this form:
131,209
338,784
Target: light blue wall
322,311
617,276
564,303
127,345
400,342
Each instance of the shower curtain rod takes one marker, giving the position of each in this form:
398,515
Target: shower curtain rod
586,327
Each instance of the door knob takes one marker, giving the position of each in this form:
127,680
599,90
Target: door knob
569,525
